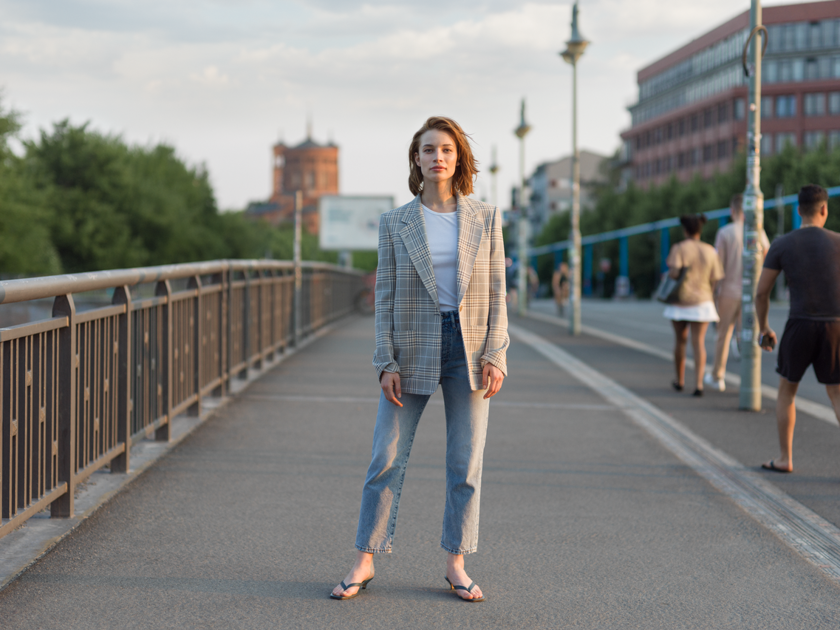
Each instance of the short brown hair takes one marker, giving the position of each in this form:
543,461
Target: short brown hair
462,182
693,223
811,197
736,203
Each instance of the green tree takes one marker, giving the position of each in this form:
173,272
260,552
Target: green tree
25,244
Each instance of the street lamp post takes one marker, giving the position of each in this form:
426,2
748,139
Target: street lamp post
750,392
574,50
494,168
522,222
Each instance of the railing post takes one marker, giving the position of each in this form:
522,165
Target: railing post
194,283
722,221
246,325
664,248
622,282
68,364
162,289
298,271
219,390
121,463
587,269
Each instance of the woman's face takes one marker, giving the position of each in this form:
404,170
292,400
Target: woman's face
438,156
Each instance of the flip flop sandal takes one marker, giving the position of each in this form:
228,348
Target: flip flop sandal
772,467
458,587
344,587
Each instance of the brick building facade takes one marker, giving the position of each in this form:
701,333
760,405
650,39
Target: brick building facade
691,113
309,167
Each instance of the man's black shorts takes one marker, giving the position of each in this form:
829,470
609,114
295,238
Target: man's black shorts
806,342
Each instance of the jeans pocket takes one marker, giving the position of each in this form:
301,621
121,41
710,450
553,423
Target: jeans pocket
405,351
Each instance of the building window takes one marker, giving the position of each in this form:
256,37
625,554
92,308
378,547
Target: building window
310,180
812,70
784,139
669,131
695,122
767,143
295,181
734,145
801,35
815,35
739,109
825,67
786,106
707,117
769,71
813,139
767,107
836,64
814,104
798,69
834,103
707,152
657,135
723,150
681,127
723,112
833,139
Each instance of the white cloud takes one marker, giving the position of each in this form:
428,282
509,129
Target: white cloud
221,78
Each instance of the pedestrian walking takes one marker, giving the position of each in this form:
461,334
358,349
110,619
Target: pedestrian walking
729,243
440,320
560,287
698,264
810,258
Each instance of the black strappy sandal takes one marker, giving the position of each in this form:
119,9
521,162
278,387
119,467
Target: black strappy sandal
458,587
344,587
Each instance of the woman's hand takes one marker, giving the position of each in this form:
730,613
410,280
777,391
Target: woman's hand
390,383
491,380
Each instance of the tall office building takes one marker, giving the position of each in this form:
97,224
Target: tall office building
691,112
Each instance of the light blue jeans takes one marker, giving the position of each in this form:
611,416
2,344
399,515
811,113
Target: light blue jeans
466,429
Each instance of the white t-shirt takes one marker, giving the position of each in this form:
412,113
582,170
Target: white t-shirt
442,232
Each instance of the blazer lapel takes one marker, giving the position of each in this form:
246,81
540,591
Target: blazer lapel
414,238
470,230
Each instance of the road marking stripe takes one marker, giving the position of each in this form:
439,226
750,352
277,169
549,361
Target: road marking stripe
807,533
821,412
374,401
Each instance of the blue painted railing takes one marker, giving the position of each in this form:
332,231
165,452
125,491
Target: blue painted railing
664,226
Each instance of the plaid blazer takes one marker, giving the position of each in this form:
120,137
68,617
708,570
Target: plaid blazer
408,321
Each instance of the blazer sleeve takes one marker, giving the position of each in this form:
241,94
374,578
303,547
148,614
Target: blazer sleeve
386,280
495,351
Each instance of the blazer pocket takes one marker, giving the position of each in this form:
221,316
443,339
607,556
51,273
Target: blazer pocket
475,340
405,348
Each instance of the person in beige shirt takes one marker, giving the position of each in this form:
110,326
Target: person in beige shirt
729,244
695,308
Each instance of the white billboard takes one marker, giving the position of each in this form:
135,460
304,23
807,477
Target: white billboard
351,223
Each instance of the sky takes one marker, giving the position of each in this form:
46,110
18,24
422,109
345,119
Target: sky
223,80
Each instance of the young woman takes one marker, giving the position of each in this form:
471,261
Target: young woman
696,307
440,320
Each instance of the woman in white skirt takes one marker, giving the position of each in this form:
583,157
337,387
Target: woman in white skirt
696,306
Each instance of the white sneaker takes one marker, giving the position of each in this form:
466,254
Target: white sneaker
734,350
717,385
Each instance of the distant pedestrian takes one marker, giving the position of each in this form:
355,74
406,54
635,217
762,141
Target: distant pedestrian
729,244
560,287
440,319
695,308
810,258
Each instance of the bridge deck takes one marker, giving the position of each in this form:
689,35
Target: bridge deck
587,520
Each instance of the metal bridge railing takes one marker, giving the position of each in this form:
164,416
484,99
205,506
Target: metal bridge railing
663,227
77,389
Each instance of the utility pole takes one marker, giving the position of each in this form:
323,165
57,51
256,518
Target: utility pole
574,50
750,393
522,226
298,270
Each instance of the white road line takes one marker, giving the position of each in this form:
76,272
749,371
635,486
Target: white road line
807,533
821,412
374,401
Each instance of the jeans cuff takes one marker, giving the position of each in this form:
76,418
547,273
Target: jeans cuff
369,550
459,552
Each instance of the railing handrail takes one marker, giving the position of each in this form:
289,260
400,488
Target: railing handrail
41,287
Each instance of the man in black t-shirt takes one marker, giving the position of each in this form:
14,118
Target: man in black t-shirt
810,258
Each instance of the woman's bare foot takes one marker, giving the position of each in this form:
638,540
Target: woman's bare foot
456,575
362,570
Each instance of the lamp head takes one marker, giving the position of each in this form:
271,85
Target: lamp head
577,44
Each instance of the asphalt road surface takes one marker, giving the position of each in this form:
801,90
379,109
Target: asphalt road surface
587,521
